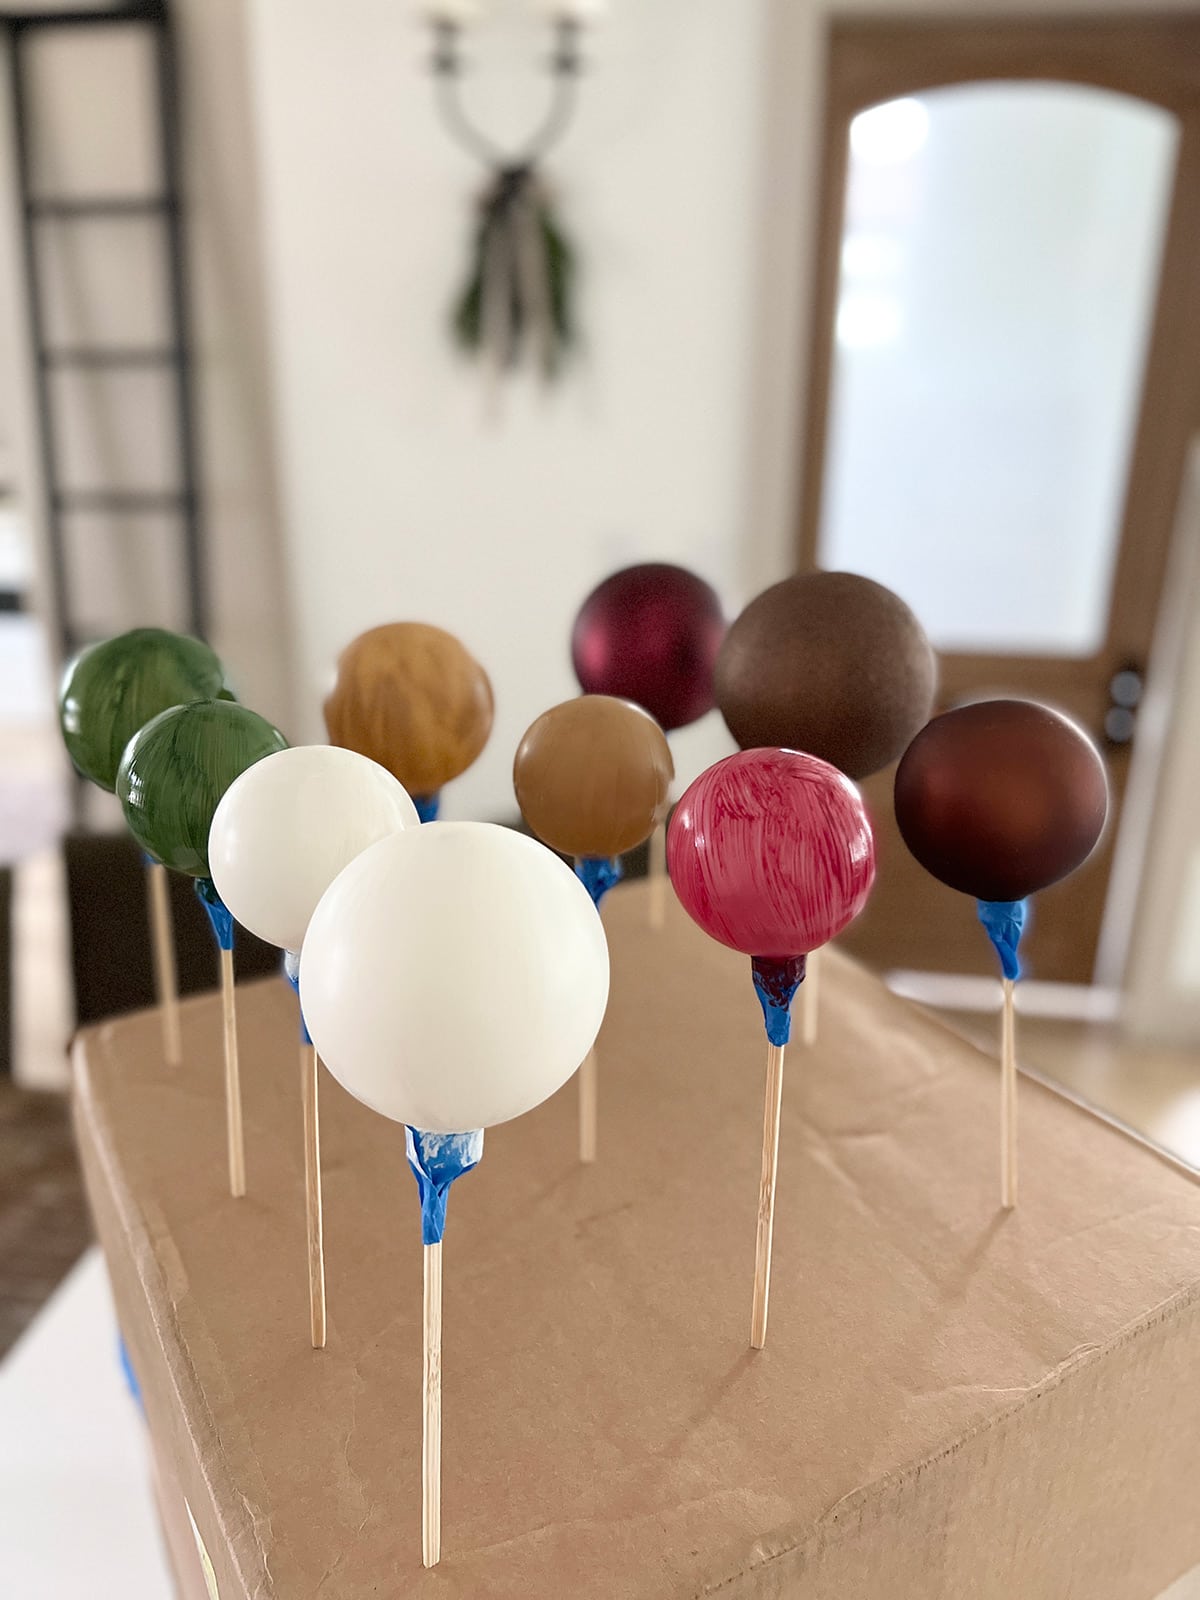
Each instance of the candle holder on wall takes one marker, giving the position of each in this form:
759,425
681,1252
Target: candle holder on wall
519,298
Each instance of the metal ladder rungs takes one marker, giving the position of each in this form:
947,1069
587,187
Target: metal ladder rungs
85,208
134,501
133,357
161,206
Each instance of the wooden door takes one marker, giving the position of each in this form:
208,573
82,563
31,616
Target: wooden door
912,921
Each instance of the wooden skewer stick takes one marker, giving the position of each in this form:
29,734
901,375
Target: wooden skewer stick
162,939
588,1097
810,991
766,1195
431,1422
312,1194
1008,1101
233,1086
656,868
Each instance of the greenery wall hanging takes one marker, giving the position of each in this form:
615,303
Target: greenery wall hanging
517,303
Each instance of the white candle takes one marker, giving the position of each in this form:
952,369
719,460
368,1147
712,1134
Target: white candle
458,12
571,10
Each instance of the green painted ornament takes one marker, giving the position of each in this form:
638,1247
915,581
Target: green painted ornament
176,769
112,689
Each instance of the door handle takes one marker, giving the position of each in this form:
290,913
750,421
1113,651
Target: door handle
1125,690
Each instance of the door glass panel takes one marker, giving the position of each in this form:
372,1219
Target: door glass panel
999,271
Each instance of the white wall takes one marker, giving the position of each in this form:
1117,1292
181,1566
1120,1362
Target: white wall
405,499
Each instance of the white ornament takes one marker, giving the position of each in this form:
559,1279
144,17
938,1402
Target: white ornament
289,824
454,976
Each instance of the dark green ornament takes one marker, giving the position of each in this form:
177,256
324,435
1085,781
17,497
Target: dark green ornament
176,769
112,689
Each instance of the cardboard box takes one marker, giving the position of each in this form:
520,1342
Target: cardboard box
954,1403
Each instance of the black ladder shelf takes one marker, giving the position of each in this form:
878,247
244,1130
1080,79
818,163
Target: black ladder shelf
172,355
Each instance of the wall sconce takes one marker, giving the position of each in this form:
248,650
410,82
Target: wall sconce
520,292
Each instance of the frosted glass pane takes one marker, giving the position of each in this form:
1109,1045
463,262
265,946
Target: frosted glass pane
999,270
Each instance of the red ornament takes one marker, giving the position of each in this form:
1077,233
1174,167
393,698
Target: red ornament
771,853
650,634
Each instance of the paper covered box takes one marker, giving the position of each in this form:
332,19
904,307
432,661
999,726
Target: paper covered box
954,1401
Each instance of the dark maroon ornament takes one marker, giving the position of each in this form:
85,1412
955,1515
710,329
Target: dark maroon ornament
1001,798
829,663
650,634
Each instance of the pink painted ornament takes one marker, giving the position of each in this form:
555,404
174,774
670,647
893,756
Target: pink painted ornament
771,853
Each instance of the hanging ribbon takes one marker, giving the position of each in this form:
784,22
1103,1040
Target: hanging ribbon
519,292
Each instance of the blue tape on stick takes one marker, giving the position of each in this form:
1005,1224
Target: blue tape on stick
1004,921
291,971
428,806
598,874
131,1382
219,914
775,983
436,1160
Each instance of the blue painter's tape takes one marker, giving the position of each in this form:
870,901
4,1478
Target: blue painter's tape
1004,921
775,983
291,971
428,806
598,874
219,914
436,1160
131,1382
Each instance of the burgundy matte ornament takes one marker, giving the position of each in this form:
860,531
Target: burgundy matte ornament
1001,798
650,634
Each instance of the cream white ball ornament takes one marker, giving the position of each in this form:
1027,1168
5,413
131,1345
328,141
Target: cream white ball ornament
454,976
289,824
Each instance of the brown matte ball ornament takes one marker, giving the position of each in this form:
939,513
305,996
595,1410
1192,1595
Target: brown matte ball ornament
1001,798
414,699
830,664
592,776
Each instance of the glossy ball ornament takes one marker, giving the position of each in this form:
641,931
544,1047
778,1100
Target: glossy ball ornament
289,824
1001,798
771,853
112,689
593,775
829,663
650,634
176,769
414,699
454,976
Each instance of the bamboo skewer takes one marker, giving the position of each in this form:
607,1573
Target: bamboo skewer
431,1419
162,940
233,1087
312,1194
1008,1101
810,992
772,1107
656,867
588,1097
